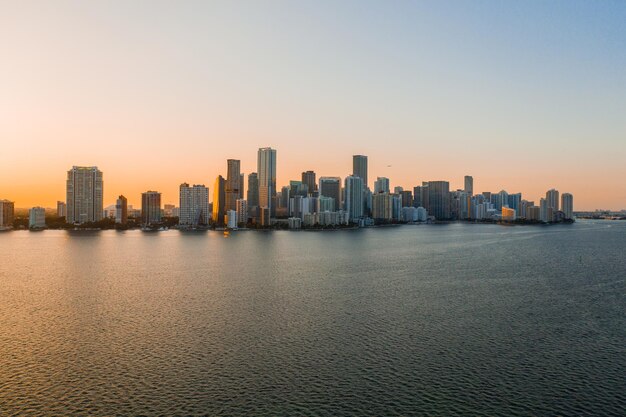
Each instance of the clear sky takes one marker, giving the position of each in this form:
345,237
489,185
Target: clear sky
524,96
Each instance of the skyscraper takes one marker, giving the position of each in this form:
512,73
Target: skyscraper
567,205
552,199
150,207
194,205
354,198
308,178
439,199
219,203
359,168
253,194
407,198
233,182
121,210
469,185
331,187
7,211
84,191
381,185
382,206
266,168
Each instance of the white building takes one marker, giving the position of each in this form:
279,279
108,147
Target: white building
296,222
194,205
231,223
37,218
84,190
422,214
567,205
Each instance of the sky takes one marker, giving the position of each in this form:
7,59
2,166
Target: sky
524,96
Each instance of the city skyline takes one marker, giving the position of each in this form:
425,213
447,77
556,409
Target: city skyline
426,91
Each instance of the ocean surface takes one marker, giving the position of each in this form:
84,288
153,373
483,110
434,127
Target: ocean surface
456,319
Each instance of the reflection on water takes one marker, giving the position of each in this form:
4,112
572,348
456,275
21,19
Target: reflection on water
454,319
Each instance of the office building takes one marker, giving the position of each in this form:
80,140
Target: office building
353,199
121,210
266,168
359,168
469,185
407,198
439,199
331,187
567,206
253,194
150,207
194,205
37,218
544,212
219,203
233,180
84,191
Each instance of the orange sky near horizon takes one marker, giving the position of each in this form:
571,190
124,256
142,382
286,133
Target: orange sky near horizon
522,97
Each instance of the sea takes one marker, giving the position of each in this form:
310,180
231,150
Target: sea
435,320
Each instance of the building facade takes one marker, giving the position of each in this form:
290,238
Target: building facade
194,205
37,218
266,168
121,210
151,207
84,192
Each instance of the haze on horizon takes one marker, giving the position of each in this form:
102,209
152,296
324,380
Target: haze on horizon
523,96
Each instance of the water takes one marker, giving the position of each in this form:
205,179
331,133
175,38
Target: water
413,320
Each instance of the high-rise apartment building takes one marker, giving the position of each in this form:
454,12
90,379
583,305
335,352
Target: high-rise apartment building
308,178
359,168
439,199
382,206
121,210
37,218
353,200
552,199
242,211
150,207
407,198
233,182
84,191
266,168
469,185
194,205
61,209
567,205
7,212
253,194
219,200
381,185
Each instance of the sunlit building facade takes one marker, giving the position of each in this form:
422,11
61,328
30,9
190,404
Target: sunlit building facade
84,191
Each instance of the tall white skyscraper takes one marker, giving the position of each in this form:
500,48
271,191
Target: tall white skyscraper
194,205
552,199
354,198
266,169
84,191
381,185
567,205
